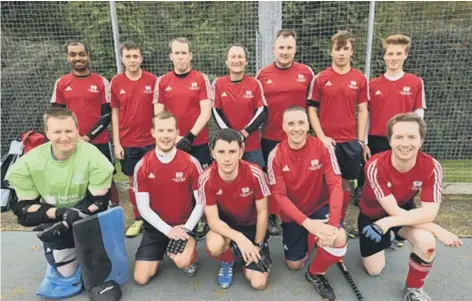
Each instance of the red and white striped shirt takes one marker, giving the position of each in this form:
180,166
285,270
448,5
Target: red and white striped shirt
304,180
236,200
383,179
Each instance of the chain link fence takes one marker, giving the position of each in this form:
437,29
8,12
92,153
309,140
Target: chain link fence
34,34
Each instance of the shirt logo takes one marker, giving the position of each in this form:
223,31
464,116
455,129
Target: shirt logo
328,83
147,89
353,85
93,89
286,168
168,89
417,185
301,78
315,165
224,94
122,92
406,91
194,86
151,176
245,192
68,88
248,94
378,92
269,82
389,185
179,177
220,192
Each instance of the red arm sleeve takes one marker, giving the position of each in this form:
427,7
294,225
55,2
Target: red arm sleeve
259,99
158,92
204,190
261,188
332,175
195,171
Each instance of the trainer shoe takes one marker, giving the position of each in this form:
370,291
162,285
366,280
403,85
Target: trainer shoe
192,269
353,234
135,229
322,286
274,227
202,230
225,276
416,294
394,243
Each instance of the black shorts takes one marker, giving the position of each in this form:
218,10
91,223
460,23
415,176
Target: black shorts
295,237
349,155
153,245
250,233
267,146
370,247
202,154
105,149
132,157
255,157
378,144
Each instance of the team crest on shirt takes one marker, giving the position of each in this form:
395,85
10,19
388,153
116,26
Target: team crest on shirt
301,78
248,94
315,165
353,85
389,185
93,89
406,91
245,192
194,86
179,177
417,185
147,89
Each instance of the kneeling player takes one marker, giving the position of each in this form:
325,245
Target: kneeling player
305,180
60,182
166,181
394,178
235,193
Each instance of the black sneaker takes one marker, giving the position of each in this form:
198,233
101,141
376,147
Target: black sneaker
322,286
274,227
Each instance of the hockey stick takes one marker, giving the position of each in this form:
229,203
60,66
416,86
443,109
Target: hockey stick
350,280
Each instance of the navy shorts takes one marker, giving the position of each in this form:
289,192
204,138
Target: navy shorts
132,157
255,157
349,155
267,146
202,154
295,237
369,247
378,144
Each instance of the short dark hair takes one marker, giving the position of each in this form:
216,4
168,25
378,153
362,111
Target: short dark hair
286,32
236,45
163,115
180,40
406,117
228,135
59,113
130,45
341,38
75,43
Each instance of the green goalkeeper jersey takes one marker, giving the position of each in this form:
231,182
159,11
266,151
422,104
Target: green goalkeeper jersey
60,183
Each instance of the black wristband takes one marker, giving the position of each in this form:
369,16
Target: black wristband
190,137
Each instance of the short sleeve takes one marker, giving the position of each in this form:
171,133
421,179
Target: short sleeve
420,101
206,91
207,196
431,191
57,94
114,101
100,171
159,96
377,179
261,188
105,91
217,99
363,93
20,178
260,98
314,90
195,171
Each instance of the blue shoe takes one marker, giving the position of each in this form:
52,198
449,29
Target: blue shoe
55,286
225,276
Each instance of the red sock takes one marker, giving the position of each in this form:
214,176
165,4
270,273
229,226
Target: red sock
273,206
114,196
346,201
322,261
417,272
312,240
227,255
132,200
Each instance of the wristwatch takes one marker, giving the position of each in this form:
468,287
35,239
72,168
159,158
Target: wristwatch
260,245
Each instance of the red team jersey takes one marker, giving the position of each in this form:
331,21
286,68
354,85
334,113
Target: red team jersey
283,88
338,95
170,186
84,96
236,200
389,98
239,101
181,96
302,181
134,99
383,179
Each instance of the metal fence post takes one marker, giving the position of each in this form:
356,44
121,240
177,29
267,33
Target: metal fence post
370,39
270,21
116,35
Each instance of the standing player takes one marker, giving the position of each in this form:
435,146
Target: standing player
166,180
86,94
335,93
132,110
391,93
394,178
63,180
235,193
240,103
285,84
306,182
